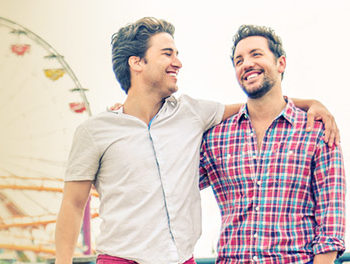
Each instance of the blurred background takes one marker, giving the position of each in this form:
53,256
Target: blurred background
55,71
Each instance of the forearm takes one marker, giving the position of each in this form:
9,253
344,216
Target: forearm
325,258
67,232
231,110
328,187
303,104
69,219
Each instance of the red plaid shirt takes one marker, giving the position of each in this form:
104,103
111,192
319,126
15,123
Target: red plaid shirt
282,205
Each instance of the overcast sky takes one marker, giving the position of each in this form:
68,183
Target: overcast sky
314,33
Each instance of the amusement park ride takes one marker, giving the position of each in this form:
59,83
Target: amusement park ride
41,103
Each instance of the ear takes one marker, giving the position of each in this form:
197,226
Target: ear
281,64
135,63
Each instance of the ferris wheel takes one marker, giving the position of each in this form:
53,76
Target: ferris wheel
41,103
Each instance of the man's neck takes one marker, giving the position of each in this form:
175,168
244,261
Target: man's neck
142,105
263,111
266,108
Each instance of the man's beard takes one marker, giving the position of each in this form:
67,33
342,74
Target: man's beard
260,91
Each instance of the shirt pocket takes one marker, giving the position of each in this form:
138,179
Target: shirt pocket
232,177
291,165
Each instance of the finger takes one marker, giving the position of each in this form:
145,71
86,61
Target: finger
337,137
331,138
116,106
335,132
310,121
109,108
327,129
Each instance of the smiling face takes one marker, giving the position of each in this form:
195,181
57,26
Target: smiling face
257,69
161,65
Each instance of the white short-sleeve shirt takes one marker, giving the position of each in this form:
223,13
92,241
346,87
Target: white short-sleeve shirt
147,178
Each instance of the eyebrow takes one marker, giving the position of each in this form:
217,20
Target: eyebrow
253,50
171,50
238,56
250,52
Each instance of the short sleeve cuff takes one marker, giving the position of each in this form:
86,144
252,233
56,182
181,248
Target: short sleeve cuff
220,115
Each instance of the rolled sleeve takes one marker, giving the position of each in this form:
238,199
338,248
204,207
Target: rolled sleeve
329,192
324,244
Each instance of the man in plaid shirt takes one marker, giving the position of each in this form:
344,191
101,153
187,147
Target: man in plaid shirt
280,189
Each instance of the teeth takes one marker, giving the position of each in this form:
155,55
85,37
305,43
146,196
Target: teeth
173,74
252,76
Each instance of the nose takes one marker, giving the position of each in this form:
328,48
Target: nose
247,64
176,62
244,67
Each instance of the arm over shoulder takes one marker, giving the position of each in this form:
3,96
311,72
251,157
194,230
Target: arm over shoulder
210,113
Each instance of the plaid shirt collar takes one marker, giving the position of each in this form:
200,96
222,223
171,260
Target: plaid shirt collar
288,113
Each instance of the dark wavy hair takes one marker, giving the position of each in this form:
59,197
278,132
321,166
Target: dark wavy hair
133,40
274,41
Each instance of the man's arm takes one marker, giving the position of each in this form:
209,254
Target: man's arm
231,110
325,258
75,196
328,189
317,111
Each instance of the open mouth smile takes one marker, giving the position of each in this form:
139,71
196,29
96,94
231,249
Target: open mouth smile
251,74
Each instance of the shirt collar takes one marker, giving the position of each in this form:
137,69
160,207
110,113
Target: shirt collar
169,100
243,113
288,113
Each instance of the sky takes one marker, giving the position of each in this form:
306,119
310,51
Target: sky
314,34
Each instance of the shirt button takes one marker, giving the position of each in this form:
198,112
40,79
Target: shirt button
255,235
258,183
257,208
255,258
251,134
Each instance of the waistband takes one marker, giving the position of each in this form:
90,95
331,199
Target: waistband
106,259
